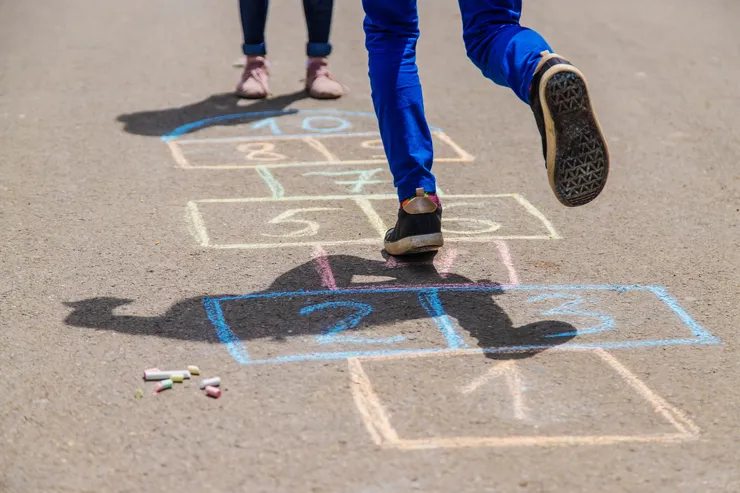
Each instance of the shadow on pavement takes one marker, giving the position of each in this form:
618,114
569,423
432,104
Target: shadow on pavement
283,317
156,123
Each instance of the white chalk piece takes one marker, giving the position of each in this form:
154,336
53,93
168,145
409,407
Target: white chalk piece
210,382
164,375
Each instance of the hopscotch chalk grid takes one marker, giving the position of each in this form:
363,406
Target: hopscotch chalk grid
340,154
289,148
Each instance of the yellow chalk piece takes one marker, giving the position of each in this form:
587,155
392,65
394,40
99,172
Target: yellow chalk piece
194,370
177,377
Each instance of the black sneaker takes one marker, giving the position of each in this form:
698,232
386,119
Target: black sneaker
418,229
575,150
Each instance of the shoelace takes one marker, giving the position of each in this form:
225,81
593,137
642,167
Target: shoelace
323,71
256,74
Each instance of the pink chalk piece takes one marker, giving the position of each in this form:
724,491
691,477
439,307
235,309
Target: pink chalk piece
323,269
163,385
212,391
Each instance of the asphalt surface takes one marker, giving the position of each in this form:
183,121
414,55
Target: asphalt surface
117,250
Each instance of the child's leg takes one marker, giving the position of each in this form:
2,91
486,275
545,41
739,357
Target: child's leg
253,16
253,83
320,83
391,31
318,21
504,51
574,147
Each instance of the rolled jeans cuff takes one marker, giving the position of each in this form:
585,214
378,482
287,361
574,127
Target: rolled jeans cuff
318,49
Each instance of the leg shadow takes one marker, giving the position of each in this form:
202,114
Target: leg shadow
156,123
373,294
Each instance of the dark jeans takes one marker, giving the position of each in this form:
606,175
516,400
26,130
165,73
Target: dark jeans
318,19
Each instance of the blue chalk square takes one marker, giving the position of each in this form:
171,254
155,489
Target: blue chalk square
294,328
344,323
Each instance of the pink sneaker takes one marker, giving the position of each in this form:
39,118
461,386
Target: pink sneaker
320,84
253,84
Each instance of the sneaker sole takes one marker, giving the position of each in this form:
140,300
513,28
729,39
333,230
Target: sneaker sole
577,153
244,95
415,244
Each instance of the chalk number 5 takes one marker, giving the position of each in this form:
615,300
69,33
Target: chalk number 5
310,228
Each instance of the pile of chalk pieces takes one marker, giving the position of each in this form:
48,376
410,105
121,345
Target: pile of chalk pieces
167,378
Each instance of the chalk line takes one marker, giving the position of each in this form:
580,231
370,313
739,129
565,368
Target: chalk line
178,155
510,372
496,371
368,404
195,224
503,250
324,270
321,148
447,259
275,186
536,213
372,215
534,441
674,416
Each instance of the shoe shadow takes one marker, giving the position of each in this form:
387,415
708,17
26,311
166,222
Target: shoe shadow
291,308
156,123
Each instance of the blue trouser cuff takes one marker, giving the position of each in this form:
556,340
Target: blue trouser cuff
318,49
255,49
407,188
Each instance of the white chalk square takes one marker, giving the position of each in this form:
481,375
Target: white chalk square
583,397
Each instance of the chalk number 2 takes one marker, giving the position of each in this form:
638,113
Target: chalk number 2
332,332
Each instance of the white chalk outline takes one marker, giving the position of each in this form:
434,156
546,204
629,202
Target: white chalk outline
197,227
377,420
508,260
314,141
510,373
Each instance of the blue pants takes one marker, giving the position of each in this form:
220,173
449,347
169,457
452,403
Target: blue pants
504,51
318,20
